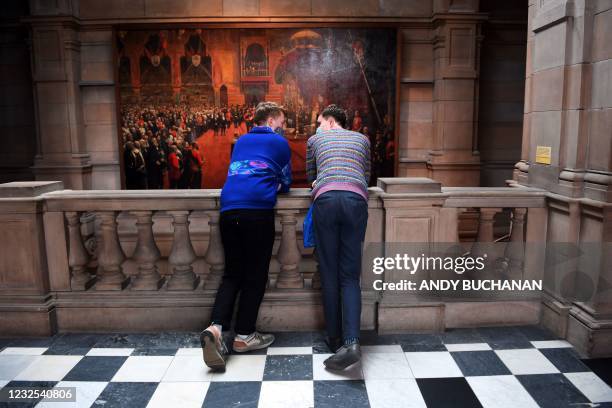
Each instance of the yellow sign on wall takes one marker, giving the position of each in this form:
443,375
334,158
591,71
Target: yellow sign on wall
543,154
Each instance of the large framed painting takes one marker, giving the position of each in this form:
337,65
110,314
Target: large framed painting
186,94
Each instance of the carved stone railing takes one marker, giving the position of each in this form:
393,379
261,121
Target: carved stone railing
422,216
152,260
117,211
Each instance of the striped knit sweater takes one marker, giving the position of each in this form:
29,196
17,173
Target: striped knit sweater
338,159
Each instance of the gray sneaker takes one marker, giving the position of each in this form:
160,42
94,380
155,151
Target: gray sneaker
255,341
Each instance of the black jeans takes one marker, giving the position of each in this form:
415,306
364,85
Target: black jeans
248,237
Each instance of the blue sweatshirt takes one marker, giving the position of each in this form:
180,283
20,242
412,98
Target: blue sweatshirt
261,162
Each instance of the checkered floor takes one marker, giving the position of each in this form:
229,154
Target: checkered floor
489,367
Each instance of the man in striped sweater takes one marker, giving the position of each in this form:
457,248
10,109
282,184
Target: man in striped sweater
338,163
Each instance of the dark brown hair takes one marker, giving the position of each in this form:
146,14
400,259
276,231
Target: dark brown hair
335,112
264,110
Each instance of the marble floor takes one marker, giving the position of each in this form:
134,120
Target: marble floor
488,367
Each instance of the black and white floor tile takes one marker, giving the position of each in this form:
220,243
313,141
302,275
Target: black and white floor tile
490,367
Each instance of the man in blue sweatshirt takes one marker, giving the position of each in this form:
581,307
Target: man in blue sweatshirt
259,169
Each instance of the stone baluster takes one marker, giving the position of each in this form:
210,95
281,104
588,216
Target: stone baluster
110,254
516,248
518,225
182,254
485,224
214,256
288,252
483,245
78,257
454,230
146,254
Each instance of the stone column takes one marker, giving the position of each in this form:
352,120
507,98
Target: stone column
567,97
110,254
182,255
18,122
78,257
288,252
99,107
589,323
215,256
454,159
521,169
56,65
146,254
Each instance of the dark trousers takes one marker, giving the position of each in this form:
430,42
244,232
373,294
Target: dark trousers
154,174
340,219
196,180
247,236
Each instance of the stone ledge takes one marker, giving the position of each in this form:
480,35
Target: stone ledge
17,189
402,185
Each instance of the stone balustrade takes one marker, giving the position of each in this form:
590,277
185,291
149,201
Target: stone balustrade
158,257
